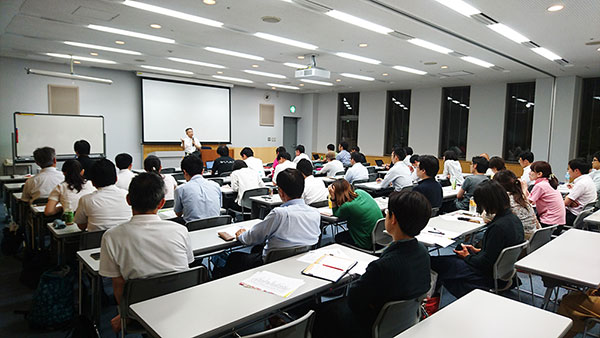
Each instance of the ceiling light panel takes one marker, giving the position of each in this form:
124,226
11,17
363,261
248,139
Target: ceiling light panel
410,70
358,58
234,53
358,77
282,86
477,61
80,58
108,49
321,83
234,79
546,53
431,46
130,33
294,65
285,41
168,70
255,72
508,32
460,7
353,20
197,63
172,13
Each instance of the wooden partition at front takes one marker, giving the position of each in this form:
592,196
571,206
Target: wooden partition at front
266,154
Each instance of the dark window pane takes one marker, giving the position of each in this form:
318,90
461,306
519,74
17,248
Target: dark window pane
397,119
589,123
455,120
348,118
520,98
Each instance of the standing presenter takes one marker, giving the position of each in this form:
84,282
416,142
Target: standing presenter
190,144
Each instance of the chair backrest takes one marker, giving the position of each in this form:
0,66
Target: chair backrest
39,201
208,222
169,204
504,267
246,202
299,328
339,173
278,254
138,290
359,181
225,174
396,317
219,181
540,237
372,177
579,223
320,204
407,188
371,170
178,176
90,239
434,211
378,236
167,170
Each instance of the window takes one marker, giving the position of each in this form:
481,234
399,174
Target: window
397,119
519,119
348,118
455,120
589,122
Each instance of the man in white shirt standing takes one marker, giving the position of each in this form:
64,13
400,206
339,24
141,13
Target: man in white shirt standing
332,166
314,188
106,207
146,245
357,171
253,163
46,180
285,161
124,162
399,175
190,144
300,154
525,160
583,191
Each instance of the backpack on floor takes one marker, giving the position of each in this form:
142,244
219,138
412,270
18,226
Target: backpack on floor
53,305
11,241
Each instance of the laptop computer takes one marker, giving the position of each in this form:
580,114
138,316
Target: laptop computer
315,156
209,165
379,163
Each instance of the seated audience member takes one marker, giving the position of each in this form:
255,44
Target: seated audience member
472,268
452,168
399,175
82,150
242,179
152,164
40,185
124,162
357,171
285,162
525,160
280,149
427,185
519,205
331,147
223,163
332,166
548,201
489,172
146,245
300,154
343,154
414,164
400,273
198,198
356,149
314,188
70,191
409,153
252,162
583,191
579,307
595,172
359,209
479,166
107,207
496,164
294,223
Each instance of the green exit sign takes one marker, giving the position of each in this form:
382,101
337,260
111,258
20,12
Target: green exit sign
292,109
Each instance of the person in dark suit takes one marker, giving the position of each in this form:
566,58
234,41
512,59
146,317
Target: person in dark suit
82,150
401,272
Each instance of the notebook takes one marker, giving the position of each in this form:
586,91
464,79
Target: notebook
329,267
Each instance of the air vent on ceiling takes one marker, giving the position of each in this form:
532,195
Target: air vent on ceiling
96,14
498,68
457,54
457,73
315,6
484,19
401,35
562,62
530,44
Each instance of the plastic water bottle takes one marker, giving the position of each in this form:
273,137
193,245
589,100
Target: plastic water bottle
567,177
454,184
472,206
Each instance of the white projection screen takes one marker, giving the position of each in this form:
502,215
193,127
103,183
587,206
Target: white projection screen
168,108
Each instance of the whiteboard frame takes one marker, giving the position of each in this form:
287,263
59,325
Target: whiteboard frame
29,159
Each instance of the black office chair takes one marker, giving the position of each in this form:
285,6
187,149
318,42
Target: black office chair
168,204
208,223
396,317
246,203
167,170
90,239
274,255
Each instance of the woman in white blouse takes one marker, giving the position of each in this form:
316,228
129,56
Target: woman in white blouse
152,165
452,168
67,193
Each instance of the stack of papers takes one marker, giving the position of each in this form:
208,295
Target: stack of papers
464,216
325,211
433,236
235,228
330,268
167,213
272,283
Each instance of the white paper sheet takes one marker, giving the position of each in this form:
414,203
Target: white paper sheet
312,256
272,283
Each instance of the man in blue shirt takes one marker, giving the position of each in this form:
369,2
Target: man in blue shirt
343,156
357,172
199,198
292,224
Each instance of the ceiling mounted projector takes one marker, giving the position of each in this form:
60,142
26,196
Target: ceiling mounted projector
312,71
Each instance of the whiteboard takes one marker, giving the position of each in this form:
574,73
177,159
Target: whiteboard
57,131
168,108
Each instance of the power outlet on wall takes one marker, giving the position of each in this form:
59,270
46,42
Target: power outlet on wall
268,138
274,139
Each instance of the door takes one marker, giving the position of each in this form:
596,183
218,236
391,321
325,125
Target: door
290,135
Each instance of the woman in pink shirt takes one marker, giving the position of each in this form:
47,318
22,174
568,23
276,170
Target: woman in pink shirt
547,200
277,151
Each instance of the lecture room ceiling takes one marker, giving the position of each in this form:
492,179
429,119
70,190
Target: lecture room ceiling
394,56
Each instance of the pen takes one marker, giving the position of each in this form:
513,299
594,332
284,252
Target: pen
333,267
436,232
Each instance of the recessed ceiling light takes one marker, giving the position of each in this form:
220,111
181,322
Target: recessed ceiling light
430,63
301,85
235,79
321,83
555,8
385,74
444,67
209,2
77,62
254,72
172,13
353,20
429,45
300,57
598,49
130,33
108,49
219,72
508,32
285,41
410,70
80,58
282,86
254,66
155,26
197,63
294,65
168,70
338,80
358,58
358,77
270,19
477,61
546,53
93,54
233,53
362,45
460,6
119,42
273,88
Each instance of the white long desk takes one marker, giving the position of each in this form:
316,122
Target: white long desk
219,306
573,257
593,218
483,314
449,193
